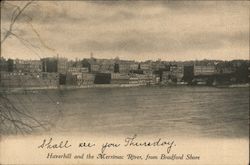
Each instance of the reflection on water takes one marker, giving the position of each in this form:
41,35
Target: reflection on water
183,111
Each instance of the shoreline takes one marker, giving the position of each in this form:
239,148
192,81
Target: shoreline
62,87
24,89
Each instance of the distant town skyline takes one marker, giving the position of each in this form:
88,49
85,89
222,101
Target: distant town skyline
140,30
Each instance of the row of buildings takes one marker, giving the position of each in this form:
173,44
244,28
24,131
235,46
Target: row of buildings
55,71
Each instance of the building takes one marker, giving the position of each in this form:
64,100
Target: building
107,67
118,78
166,77
124,67
146,79
3,64
188,73
49,64
204,70
75,70
94,67
20,65
11,79
177,73
88,79
35,65
29,79
142,79
116,68
79,76
225,67
49,79
133,66
158,65
62,65
81,79
10,65
145,66
71,79
102,78
133,79
28,65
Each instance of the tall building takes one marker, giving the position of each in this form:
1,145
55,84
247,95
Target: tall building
188,73
62,65
10,65
49,64
116,68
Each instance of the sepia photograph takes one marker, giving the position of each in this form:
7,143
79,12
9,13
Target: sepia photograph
117,82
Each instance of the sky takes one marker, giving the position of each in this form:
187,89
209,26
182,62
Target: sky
133,30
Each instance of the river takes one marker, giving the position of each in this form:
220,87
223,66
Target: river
179,111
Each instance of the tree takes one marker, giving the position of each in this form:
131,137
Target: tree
17,13
12,117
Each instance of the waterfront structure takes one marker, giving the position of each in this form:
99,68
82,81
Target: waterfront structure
102,78
71,79
177,73
59,71
118,78
87,79
204,70
142,79
50,79
133,79
83,79
23,80
224,68
166,77
79,76
188,74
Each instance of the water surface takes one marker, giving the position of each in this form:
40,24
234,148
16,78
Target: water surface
180,111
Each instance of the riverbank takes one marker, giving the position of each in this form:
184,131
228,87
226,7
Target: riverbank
63,87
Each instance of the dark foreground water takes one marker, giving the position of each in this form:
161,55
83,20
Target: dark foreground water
183,111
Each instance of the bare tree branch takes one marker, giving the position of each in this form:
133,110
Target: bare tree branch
40,39
20,121
12,117
15,15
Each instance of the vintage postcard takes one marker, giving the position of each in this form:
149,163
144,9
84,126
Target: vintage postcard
124,82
